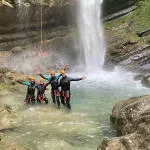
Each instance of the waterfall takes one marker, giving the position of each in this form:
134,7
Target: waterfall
19,2
91,34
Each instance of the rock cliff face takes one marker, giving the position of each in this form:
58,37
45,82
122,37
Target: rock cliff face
20,31
132,120
27,16
21,25
112,6
130,56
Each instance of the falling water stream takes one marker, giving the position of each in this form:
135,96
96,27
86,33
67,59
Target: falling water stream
91,33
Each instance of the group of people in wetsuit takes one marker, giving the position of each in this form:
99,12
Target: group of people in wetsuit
60,88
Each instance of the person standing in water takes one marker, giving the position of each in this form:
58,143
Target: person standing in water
41,87
65,88
30,96
53,80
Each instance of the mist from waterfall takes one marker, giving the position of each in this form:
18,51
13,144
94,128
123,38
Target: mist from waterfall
91,34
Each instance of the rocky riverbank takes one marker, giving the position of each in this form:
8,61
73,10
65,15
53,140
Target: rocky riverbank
9,120
131,118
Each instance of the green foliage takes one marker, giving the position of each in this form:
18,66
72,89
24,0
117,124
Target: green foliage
3,86
127,26
142,14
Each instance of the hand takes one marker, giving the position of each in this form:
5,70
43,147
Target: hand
27,77
66,66
84,77
37,72
14,78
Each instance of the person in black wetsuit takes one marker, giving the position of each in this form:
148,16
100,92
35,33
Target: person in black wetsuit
41,87
53,80
30,96
65,88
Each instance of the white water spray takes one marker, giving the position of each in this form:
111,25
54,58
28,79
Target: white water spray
19,2
91,33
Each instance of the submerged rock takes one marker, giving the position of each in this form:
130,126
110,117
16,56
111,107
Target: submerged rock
132,120
138,77
55,144
146,81
9,118
13,146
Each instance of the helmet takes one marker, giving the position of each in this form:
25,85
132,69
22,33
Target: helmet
52,72
62,71
32,78
41,80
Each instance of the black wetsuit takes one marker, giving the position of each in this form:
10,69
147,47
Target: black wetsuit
30,96
65,90
40,93
54,87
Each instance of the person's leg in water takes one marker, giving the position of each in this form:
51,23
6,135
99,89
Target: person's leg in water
57,95
38,101
33,99
53,96
58,102
68,101
46,100
62,98
27,99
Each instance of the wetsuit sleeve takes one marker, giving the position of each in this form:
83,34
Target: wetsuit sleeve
58,76
23,83
75,79
37,83
46,84
46,78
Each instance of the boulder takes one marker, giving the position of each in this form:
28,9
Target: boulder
146,81
132,120
9,118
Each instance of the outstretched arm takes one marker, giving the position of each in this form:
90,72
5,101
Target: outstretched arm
46,78
66,67
78,79
23,83
46,84
20,82
58,76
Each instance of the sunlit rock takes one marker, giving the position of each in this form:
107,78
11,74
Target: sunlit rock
132,120
9,118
